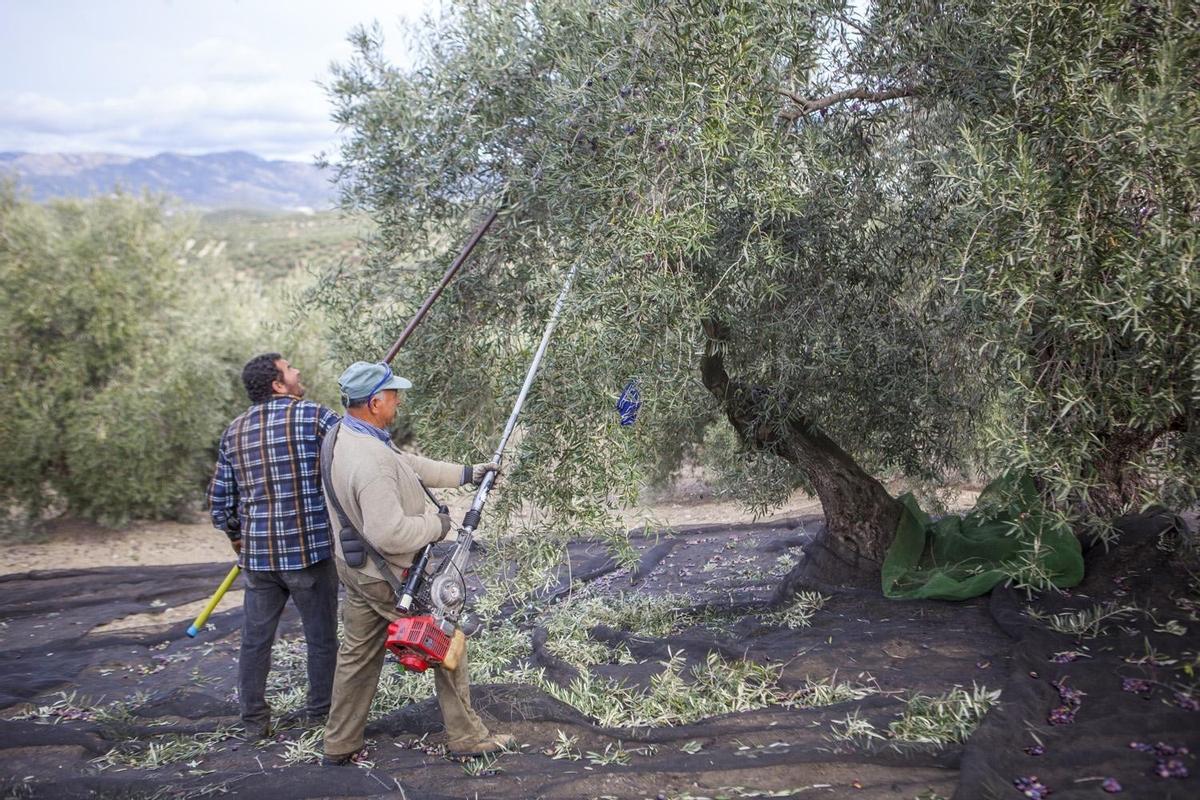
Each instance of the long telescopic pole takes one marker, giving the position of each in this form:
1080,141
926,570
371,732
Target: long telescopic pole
437,292
447,590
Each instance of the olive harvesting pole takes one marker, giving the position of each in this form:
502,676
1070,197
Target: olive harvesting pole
435,638
447,589
198,623
437,291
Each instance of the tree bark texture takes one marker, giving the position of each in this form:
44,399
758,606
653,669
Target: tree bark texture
860,515
1118,481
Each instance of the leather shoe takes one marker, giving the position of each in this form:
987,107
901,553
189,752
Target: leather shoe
345,760
496,743
302,719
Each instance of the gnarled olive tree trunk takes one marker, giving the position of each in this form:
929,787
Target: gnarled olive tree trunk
860,515
1120,478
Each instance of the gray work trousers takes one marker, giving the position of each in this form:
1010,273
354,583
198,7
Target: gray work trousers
314,590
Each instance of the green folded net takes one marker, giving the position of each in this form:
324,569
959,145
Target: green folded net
1008,532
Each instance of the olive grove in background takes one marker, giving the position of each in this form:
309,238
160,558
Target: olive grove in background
914,239
120,357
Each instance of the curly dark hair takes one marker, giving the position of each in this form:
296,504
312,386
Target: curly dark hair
258,375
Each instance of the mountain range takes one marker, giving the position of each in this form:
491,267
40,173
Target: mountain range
234,179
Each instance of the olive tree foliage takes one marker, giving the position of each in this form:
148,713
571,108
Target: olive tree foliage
1083,182
120,359
748,262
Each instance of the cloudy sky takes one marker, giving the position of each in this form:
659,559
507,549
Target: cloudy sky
138,77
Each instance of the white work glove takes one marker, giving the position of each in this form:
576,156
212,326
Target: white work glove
480,470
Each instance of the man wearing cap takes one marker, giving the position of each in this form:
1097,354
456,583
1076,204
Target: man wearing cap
266,496
380,491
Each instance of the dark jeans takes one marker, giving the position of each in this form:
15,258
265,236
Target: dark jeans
314,590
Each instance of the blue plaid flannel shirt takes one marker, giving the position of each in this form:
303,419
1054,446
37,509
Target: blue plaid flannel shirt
268,479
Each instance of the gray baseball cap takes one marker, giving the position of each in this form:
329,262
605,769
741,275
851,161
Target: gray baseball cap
362,380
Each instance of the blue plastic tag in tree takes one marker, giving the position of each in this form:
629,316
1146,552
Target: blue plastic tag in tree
629,402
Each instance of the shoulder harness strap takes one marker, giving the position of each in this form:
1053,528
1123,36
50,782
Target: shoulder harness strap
355,547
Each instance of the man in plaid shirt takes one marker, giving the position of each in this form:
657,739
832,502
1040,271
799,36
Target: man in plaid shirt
266,496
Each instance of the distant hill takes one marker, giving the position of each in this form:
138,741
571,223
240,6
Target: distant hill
215,180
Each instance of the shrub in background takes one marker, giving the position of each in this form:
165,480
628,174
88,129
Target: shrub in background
121,358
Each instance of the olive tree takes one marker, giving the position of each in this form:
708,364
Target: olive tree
868,238
1083,180
743,255
83,288
1074,161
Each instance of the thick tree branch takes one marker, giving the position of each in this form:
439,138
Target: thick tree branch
860,514
807,106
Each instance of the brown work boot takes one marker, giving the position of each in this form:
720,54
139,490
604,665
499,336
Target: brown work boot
346,759
257,730
470,748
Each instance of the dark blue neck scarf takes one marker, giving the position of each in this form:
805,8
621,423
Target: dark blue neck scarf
358,426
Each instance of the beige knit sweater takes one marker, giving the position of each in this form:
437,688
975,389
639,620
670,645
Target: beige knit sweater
377,486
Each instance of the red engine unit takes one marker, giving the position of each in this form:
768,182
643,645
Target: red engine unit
417,642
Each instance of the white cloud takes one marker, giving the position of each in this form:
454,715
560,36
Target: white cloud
276,117
224,59
137,77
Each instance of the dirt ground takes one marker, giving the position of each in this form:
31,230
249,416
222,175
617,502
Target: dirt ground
75,544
